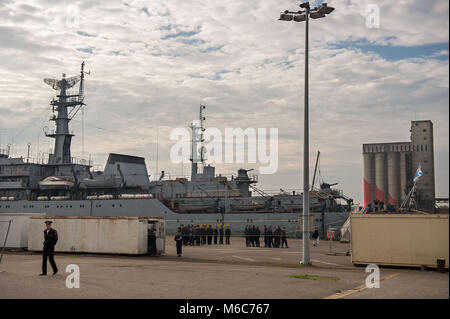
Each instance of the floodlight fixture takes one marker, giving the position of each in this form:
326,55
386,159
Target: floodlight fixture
325,9
300,18
286,17
304,5
316,15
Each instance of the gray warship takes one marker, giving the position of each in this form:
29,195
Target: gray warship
64,186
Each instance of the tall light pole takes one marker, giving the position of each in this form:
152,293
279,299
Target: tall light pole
300,16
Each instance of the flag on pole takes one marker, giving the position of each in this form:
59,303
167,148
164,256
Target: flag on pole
418,174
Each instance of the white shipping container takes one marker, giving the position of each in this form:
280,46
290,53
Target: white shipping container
95,234
18,231
400,239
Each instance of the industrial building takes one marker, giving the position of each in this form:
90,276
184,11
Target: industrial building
389,169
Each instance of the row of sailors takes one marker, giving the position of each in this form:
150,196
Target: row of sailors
273,238
202,234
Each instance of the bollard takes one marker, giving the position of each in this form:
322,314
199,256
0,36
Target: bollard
441,265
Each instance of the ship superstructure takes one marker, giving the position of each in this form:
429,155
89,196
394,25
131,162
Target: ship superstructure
65,186
63,177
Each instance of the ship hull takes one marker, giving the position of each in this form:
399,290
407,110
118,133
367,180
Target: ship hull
154,207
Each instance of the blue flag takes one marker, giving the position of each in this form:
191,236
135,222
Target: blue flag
418,174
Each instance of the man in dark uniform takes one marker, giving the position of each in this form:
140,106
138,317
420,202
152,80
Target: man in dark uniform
197,235
151,242
269,237
252,232
203,232
277,234
221,235
191,235
209,233
184,230
227,235
216,233
283,238
50,239
247,241
257,235
265,236
179,243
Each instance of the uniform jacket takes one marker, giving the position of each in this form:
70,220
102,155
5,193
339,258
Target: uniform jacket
51,238
178,239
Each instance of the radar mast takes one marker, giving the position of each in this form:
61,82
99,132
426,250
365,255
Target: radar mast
62,135
197,151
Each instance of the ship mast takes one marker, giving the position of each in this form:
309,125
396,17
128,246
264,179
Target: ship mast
63,137
196,143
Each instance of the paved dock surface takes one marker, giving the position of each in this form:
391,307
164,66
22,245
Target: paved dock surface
216,271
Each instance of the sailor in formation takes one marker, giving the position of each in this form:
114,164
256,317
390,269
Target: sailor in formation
221,235
196,235
216,233
276,238
227,235
209,233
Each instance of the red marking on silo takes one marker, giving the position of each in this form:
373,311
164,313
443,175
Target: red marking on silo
392,200
367,187
379,194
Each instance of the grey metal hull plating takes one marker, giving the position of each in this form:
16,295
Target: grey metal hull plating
153,207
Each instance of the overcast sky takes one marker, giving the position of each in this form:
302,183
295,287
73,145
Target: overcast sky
153,62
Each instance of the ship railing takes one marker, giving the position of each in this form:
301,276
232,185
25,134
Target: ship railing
229,177
286,192
44,160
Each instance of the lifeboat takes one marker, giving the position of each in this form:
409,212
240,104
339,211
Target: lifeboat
54,182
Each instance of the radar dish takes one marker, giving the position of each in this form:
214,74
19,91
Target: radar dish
55,84
72,81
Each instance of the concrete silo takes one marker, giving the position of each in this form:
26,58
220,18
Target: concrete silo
369,178
381,180
403,176
394,186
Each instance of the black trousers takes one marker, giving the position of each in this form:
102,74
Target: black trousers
215,240
277,242
227,240
284,242
209,240
179,248
47,252
221,240
257,241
